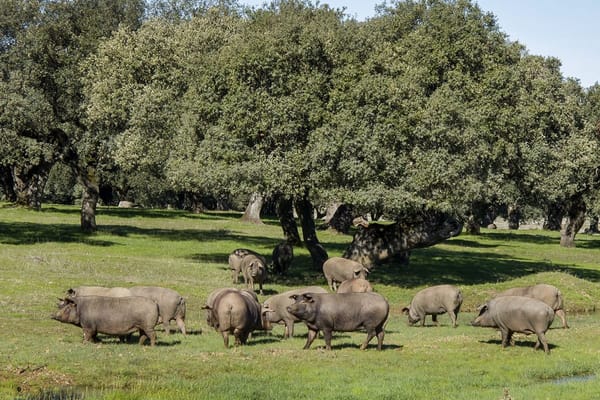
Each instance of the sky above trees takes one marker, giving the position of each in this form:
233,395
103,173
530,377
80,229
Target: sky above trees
566,30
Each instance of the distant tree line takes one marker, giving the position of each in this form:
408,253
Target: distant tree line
427,109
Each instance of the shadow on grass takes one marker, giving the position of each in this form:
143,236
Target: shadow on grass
518,343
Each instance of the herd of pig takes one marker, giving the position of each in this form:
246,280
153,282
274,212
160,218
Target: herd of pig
351,306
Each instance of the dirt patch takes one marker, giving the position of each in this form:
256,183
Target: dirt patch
34,378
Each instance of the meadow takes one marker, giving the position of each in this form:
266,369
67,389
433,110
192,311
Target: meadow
42,254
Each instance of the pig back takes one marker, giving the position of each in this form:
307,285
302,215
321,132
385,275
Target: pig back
98,291
520,314
234,309
350,311
117,315
436,299
547,293
170,303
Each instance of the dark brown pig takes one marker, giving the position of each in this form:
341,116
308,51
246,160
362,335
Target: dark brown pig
338,270
254,270
275,308
341,312
355,285
434,300
118,316
547,293
171,305
519,314
234,312
283,254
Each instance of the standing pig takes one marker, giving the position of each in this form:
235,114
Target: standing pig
345,312
171,305
283,254
355,285
275,308
519,314
547,293
254,270
338,270
117,316
433,301
235,261
234,312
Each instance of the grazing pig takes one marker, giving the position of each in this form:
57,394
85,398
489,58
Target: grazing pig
171,305
98,291
345,312
355,285
283,254
275,308
210,301
520,314
338,270
433,301
234,312
547,293
117,316
235,261
254,270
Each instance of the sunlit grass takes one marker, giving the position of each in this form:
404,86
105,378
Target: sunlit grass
43,254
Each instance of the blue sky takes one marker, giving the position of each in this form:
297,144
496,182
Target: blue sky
567,30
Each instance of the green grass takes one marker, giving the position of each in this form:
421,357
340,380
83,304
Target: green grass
43,253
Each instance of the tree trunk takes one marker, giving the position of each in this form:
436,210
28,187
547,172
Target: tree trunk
554,216
91,194
472,226
252,213
341,219
593,224
575,218
514,216
309,233
7,184
29,185
285,211
379,243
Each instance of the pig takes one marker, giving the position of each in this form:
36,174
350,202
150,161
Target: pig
282,256
235,262
171,305
433,301
254,270
519,314
342,312
118,316
274,309
355,285
547,293
210,300
234,312
338,269
98,291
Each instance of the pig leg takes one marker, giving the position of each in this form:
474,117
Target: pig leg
327,334
563,317
165,322
434,319
225,339
542,340
452,318
260,288
380,335
310,338
289,329
181,324
506,336
370,335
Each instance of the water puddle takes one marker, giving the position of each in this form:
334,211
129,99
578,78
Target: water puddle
574,379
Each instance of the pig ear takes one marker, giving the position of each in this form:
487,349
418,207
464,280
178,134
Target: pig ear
405,310
294,297
308,297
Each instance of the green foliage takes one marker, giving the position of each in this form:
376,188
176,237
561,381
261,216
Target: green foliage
43,254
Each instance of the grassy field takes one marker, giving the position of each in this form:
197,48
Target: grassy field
42,254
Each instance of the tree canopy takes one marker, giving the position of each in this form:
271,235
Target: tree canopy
426,108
